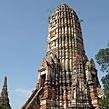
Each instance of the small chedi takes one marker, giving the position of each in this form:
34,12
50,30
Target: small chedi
4,100
67,79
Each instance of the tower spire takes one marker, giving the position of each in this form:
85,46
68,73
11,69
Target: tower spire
4,100
5,81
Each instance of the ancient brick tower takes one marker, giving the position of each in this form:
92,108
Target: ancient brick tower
67,79
4,100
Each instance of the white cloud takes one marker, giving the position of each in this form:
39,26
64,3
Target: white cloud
25,92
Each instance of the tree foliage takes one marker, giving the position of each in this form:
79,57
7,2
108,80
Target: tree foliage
105,103
102,58
105,81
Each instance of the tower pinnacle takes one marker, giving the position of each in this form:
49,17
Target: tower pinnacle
5,84
4,100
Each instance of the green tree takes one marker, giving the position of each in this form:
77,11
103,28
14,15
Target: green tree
102,58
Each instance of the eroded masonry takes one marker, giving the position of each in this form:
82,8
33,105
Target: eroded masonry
67,79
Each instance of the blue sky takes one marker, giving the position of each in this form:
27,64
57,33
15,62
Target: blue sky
23,39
